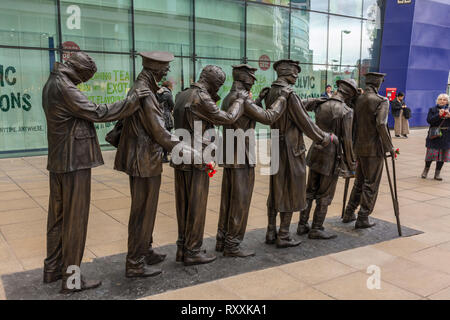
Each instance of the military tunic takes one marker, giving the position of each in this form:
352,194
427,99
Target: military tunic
238,178
191,180
288,184
372,141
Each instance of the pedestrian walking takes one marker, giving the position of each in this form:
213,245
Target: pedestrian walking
438,138
401,115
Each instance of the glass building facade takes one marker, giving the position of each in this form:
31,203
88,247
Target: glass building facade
332,39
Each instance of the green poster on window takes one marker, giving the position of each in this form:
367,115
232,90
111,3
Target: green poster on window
22,120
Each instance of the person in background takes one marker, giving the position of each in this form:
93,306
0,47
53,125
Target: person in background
438,149
328,92
398,106
165,99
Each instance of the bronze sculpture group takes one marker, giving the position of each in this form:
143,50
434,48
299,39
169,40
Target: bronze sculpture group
350,123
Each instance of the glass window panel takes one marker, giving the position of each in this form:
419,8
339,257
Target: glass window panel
334,74
311,81
372,9
163,25
267,32
31,23
309,36
318,5
348,7
110,84
276,2
96,25
344,40
219,28
371,46
23,74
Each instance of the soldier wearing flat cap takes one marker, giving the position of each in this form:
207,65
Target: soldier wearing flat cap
197,107
372,141
239,161
327,164
139,154
73,149
288,185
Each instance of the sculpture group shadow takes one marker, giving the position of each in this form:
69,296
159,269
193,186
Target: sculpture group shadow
28,284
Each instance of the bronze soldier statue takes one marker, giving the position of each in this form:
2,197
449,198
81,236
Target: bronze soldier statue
139,154
372,141
327,164
288,185
239,176
197,105
73,149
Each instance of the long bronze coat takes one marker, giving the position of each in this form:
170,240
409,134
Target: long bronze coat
139,153
370,118
287,191
72,139
253,112
195,104
333,116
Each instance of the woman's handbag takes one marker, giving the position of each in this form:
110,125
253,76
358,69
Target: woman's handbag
435,132
113,137
407,113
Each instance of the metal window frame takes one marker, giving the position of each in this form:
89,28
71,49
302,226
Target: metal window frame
192,56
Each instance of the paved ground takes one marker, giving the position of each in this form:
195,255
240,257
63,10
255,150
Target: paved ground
411,268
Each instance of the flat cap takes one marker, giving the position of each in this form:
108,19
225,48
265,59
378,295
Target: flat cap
290,62
152,58
350,83
374,76
251,70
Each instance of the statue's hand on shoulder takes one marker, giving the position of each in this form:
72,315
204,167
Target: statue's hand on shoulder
263,93
286,91
243,95
142,93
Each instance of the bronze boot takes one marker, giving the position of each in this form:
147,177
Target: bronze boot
271,234
349,215
303,226
84,284
179,257
317,230
154,257
52,276
238,252
284,239
138,269
194,258
363,222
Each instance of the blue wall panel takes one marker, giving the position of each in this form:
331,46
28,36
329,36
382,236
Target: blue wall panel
419,62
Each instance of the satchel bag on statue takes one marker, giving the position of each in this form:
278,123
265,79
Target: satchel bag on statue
113,137
435,132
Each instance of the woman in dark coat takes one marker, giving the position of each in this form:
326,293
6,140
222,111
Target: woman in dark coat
438,149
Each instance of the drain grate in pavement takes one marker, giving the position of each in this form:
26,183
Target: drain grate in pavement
28,284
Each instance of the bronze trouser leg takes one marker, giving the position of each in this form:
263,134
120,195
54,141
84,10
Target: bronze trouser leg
241,181
144,203
68,214
355,195
193,188
372,168
182,187
312,187
325,190
225,202
285,223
